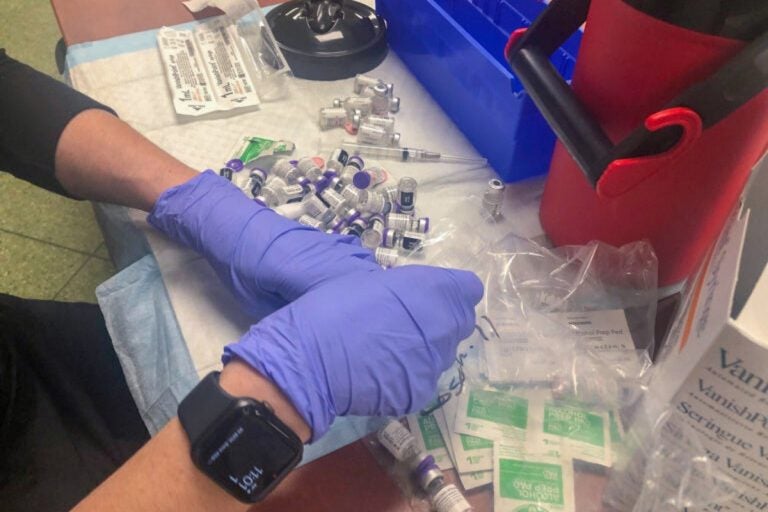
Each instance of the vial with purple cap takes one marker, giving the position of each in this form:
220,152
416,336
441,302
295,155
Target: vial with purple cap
370,177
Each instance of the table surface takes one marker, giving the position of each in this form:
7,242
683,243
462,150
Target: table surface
349,479
343,480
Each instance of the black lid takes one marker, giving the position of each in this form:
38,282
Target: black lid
737,19
329,39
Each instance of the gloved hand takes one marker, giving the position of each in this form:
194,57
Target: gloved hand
265,259
364,344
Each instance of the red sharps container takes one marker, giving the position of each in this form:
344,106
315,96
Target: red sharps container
666,116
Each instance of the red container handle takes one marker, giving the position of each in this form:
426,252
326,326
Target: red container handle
711,100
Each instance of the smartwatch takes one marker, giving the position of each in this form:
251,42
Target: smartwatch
238,443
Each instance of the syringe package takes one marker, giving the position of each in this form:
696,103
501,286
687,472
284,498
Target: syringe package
221,65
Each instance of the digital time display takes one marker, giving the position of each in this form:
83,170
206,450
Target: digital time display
248,455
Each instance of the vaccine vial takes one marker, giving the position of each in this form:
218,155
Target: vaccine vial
355,228
334,200
336,118
411,241
309,168
376,136
235,164
399,221
448,498
256,180
398,440
286,170
406,195
353,103
226,173
376,204
363,81
374,233
356,161
310,221
354,195
389,238
390,193
380,100
291,193
388,123
336,224
370,177
337,160
493,198
387,258
348,174
350,215
394,105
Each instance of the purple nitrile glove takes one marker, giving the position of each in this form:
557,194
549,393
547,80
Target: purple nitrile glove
364,344
265,259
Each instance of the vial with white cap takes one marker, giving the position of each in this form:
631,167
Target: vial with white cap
370,177
376,136
493,198
406,195
387,258
380,99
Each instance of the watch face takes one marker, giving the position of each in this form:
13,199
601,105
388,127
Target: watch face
246,454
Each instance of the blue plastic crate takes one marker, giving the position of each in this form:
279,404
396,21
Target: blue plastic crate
455,48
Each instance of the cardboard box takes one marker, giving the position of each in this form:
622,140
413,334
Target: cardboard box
715,369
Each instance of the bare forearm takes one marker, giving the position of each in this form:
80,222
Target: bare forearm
101,158
161,476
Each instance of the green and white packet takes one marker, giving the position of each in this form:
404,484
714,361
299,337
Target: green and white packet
493,415
472,476
471,453
429,438
572,429
523,482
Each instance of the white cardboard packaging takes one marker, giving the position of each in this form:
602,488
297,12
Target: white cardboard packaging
715,369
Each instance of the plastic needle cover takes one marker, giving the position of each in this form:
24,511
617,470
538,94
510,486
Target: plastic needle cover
408,154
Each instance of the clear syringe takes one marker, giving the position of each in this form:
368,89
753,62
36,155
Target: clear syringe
408,154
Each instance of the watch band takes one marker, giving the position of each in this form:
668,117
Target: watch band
203,405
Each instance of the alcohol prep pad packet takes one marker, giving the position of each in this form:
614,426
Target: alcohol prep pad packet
523,482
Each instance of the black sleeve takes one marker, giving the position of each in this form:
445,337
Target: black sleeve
34,110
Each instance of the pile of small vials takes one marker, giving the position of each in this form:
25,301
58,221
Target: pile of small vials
444,497
340,196
367,113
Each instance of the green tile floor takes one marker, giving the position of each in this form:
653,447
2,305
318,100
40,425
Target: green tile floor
50,247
